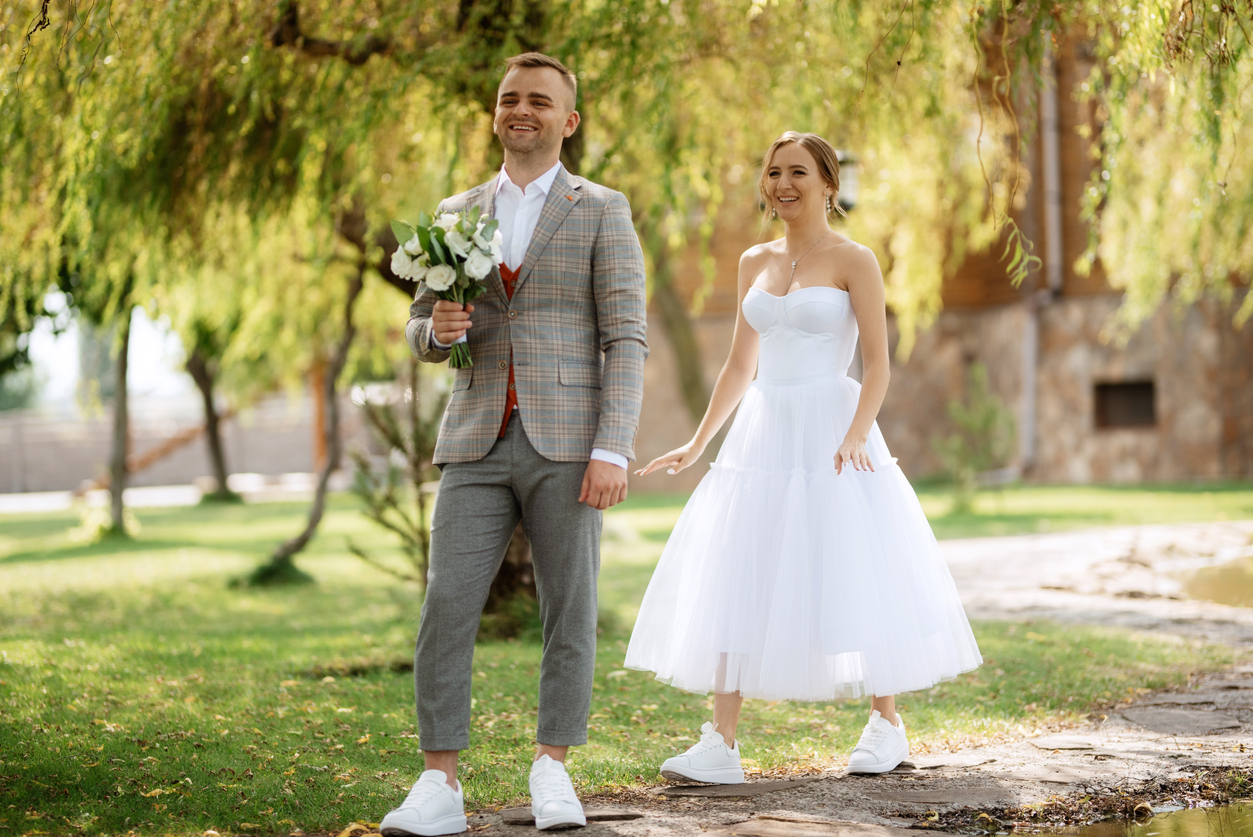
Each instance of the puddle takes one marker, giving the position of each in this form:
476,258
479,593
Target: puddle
1229,584
1234,820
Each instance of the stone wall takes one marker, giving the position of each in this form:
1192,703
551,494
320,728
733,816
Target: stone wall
1195,359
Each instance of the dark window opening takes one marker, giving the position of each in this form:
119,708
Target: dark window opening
1127,404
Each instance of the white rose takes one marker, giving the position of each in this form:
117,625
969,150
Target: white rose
441,277
401,263
446,221
479,241
419,268
498,243
458,243
413,246
478,265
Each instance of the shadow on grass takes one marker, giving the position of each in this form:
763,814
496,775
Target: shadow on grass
107,547
221,526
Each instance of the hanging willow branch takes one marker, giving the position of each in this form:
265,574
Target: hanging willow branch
287,33
41,23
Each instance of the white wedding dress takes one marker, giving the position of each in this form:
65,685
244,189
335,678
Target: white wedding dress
782,579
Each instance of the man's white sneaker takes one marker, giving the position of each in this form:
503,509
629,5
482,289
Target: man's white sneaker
708,760
431,808
553,800
882,746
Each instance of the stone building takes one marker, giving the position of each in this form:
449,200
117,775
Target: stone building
1175,403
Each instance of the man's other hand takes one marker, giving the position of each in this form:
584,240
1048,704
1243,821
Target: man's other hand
604,485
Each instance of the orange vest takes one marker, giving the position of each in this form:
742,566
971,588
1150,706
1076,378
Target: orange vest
510,278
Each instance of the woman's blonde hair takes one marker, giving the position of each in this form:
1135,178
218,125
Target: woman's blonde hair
824,155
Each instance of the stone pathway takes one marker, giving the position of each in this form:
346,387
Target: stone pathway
1128,577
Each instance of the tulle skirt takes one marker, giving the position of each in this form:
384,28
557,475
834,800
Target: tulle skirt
782,580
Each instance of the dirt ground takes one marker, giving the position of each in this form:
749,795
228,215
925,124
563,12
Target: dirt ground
1165,749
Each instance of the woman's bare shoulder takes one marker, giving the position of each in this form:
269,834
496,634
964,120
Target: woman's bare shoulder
760,252
850,247
854,261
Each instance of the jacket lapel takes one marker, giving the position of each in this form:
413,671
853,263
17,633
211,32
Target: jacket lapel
562,197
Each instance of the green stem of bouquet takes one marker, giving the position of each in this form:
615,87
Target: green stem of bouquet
459,355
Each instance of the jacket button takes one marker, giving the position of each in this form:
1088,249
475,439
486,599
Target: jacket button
504,365
513,314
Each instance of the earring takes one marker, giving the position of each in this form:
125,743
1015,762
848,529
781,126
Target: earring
774,213
828,204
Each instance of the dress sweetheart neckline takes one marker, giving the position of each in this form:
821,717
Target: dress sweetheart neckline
798,290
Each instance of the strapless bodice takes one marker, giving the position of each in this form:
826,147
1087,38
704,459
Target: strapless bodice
807,333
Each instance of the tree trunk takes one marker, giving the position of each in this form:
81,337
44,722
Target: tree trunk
516,576
281,568
678,325
317,383
121,428
198,368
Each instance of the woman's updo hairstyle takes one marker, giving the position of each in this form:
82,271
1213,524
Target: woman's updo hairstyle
824,155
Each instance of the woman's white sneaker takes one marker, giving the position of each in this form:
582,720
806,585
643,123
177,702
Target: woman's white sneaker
432,808
708,760
882,746
553,800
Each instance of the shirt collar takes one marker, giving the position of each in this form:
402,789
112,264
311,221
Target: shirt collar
544,181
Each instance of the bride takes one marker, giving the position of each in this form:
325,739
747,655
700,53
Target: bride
802,567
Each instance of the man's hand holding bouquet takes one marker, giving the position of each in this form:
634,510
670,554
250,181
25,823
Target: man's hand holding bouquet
452,253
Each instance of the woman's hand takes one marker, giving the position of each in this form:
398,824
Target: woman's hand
674,461
853,452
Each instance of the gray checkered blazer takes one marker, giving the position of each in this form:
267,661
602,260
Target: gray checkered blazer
576,327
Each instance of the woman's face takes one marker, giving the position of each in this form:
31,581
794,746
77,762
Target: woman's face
794,183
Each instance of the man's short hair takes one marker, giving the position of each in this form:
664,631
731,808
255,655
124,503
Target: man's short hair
539,59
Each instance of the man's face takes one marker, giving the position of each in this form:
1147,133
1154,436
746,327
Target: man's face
534,111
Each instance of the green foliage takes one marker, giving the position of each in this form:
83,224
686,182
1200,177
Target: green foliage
174,706
1171,196
983,439
128,135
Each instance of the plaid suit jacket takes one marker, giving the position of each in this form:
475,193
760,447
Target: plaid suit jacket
576,328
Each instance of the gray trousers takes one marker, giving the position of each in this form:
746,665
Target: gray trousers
478,507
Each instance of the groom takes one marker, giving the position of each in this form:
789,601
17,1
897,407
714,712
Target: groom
540,429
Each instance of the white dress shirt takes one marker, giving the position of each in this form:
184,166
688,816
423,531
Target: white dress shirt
518,212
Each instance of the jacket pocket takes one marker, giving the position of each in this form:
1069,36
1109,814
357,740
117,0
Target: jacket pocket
572,374
462,381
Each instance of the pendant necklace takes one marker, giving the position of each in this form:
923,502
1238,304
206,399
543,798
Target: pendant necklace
803,255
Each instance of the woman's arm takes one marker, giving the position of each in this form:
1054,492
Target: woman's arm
737,373
865,287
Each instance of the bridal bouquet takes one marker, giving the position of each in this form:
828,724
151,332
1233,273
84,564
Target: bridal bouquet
452,253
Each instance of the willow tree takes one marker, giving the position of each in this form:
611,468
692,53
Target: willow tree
918,88
322,120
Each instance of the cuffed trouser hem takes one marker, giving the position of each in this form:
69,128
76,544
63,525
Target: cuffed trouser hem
435,745
561,737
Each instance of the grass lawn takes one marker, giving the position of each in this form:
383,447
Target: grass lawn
138,692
